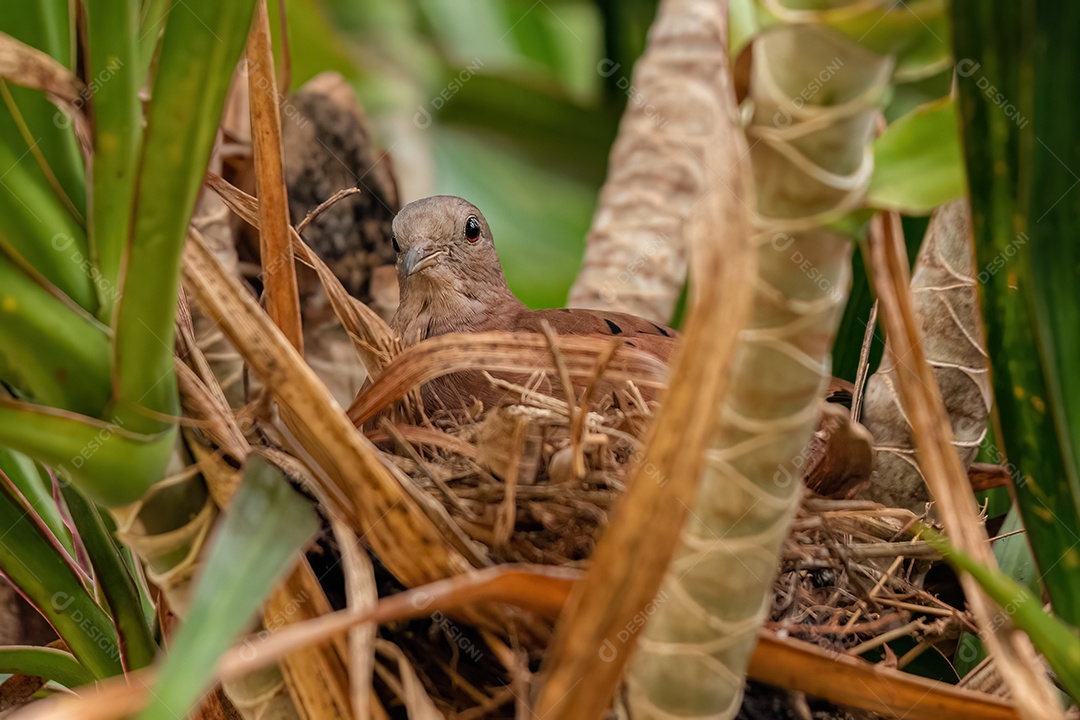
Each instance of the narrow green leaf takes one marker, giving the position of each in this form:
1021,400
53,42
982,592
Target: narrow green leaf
106,461
199,52
1023,165
49,663
1014,558
46,25
152,24
59,357
1057,641
265,526
917,163
44,574
117,584
116,74
36,489
35,226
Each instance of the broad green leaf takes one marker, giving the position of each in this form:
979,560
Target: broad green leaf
915,32
117,584
106,461
116,75
199,51
917,162
39,567
264,527
1057,641
36,489
49,663
1022,164
58,356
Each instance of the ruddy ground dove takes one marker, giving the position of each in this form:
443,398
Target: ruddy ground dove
451,281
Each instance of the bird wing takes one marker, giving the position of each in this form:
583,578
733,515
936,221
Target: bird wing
653,338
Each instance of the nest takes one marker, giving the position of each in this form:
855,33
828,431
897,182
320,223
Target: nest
852,578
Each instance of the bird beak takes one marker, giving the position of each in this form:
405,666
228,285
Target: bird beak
419,257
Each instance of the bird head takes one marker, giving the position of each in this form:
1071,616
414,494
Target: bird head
444,247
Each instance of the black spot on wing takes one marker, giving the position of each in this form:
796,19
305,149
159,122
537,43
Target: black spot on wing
615,329
661,330
631,344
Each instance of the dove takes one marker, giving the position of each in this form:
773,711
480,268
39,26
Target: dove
451,281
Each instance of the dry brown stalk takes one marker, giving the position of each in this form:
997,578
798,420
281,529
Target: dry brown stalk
1032,693
279,271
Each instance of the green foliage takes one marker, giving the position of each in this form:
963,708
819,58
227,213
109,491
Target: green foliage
94,383
917,163
49,663
267,520
1021,157
46,576
1057,641
117,584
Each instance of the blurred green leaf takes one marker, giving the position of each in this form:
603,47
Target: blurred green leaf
1022,163
917,163
31,558
49,663
538,220
266,523
915,32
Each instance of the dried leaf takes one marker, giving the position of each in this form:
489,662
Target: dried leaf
945,302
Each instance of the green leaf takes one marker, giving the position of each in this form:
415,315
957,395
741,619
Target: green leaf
915,32
1054,639
154,14
117,584
58,356
36,228
108,463
1014,558
1022,163
116,74
917,162
31,558
199,52
266,524
46,25
49,663
36,489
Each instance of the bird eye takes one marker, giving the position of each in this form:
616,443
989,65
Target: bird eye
393,239
472,229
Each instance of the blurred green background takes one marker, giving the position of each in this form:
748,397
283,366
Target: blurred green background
498,101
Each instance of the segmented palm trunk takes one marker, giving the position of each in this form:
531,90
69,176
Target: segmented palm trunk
635,256
815,96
